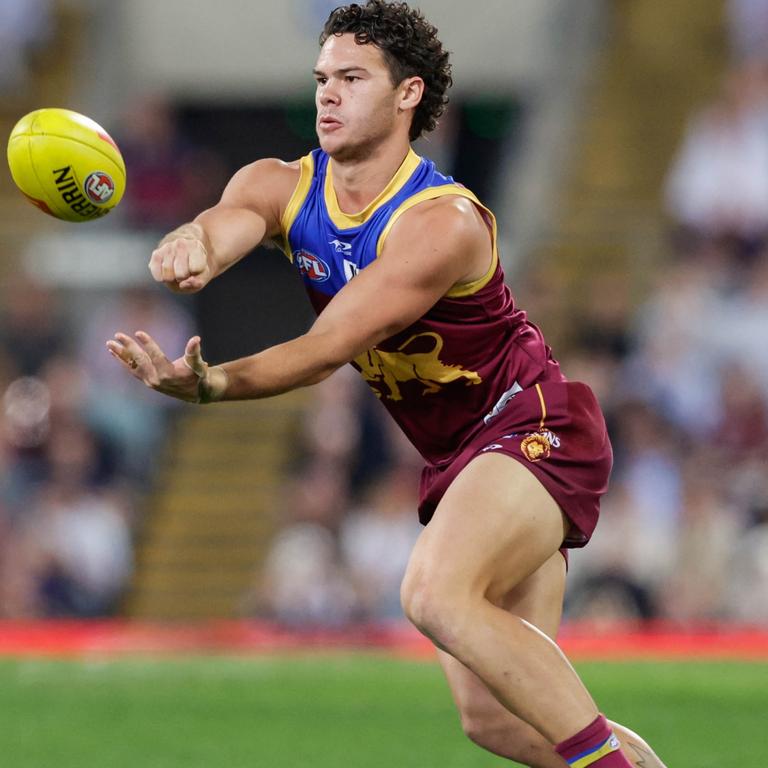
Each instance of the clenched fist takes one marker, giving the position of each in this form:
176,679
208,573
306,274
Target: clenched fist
181,261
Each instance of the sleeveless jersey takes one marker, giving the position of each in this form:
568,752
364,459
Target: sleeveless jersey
448,375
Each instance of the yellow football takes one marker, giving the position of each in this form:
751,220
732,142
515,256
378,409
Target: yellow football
66,164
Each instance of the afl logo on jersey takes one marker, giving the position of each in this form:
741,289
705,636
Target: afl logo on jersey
312,266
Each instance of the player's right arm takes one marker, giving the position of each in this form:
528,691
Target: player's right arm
248,213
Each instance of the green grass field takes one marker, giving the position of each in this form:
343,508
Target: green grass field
340,711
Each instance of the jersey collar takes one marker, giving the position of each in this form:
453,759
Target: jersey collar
349,220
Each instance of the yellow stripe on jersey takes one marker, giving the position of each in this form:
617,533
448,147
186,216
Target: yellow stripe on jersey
431,193
349,220
543,406
307,170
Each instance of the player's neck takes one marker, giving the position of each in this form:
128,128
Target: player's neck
358,182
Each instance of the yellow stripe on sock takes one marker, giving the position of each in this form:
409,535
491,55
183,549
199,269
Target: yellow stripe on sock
611,745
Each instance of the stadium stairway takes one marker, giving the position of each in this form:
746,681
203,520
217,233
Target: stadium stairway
215,505
660,61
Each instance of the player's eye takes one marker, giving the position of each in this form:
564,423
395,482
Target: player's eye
321,80
351,78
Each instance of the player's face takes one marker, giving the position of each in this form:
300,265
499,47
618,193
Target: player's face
357,105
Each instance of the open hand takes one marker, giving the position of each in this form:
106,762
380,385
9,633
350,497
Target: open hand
184,378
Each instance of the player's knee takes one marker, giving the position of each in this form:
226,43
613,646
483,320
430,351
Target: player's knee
420,604
434,610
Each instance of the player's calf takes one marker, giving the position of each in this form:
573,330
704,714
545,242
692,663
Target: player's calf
505,735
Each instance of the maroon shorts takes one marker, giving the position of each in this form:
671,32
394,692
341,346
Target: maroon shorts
557,431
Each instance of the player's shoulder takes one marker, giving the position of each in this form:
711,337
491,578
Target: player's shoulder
452,207
448,217
268,170
267,183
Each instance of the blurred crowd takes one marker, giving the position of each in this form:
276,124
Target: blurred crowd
350,518
682,376
77,438
684,529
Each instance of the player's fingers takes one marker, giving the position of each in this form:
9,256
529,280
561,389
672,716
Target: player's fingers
191,284
198,259
193,357
130,348
169,256
114,350
156,265
181,263
152,348
125,349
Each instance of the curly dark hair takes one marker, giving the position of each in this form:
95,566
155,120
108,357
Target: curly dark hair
410,47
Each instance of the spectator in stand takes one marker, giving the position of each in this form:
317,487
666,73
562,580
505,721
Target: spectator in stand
76,536
674,365
331,423
171,179
18,593
615,584
738,324
709,530
742,432
324,566
344,425
376,541
648,451
304,582
32,327
26,430
718,184
133,419
748,584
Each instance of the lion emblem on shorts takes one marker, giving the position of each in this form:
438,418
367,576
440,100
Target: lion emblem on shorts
417,359
536,447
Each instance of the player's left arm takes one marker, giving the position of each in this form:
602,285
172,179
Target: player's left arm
431,248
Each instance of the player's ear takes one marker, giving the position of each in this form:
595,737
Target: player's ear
411,92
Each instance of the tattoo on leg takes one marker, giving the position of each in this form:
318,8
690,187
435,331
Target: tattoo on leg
642,754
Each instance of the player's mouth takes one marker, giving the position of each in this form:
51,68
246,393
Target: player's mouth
328,123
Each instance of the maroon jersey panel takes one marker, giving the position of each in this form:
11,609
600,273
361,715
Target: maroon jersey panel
443,378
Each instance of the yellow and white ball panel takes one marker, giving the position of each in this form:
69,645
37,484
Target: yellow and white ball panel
66,164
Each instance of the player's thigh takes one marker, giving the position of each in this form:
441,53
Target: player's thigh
495,526
539,600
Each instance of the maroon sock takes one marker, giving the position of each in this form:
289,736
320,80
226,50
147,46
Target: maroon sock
595,746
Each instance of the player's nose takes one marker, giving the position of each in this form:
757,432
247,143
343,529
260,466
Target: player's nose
329,95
